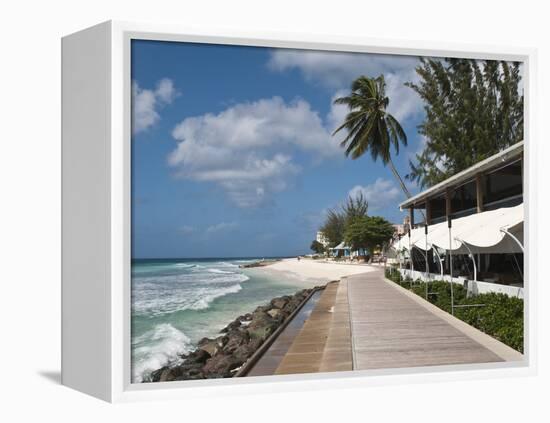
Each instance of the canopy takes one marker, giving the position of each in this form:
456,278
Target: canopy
340,246
477,233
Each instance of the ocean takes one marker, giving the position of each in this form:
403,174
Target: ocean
177,302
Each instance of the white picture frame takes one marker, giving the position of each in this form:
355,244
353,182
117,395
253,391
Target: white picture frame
96,133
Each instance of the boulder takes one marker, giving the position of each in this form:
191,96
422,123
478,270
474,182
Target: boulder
236,339
255,343
244,352
222,340
221,365
208,345
292,305
275,313
198,356
167,374
261,309
233,325
262,325
280,302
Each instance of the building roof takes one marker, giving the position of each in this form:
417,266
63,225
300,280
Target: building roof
506,155
341,246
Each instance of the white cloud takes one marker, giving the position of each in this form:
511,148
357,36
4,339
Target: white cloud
337,113
221,227
187,230
336,71
380,194
247,149
146,103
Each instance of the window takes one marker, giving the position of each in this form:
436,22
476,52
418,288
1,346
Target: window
464,197
437,207
503,183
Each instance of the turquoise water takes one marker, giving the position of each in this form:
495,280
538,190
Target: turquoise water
177,302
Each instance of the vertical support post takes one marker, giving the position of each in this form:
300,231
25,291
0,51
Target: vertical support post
426,258
400,253
410,254
410,257
479,192
449,224
448,209
411,217
428,212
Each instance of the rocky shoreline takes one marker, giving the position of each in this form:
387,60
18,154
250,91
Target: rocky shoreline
259,263
223,356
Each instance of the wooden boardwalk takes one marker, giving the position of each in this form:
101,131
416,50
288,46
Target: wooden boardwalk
391,329
337,354
367,322
323,344
271,359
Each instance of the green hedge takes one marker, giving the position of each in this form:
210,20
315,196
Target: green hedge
501,317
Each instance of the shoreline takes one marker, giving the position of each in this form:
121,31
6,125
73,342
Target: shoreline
223,354
308,272
239,344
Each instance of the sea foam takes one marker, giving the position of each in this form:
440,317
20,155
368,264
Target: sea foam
157,348
171,304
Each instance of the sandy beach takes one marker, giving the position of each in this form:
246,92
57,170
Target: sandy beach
312,272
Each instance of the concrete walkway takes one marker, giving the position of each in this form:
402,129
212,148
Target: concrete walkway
392,327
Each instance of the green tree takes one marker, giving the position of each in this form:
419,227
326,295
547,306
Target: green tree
354,207
317,247
474,109
338,218
370,128
334,226
368,232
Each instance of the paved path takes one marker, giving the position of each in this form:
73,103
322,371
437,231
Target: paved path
390,328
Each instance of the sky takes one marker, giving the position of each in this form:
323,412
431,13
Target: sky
232,147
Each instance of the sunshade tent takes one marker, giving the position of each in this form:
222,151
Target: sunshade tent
477,233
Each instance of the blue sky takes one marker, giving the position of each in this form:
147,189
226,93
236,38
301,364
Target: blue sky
232,153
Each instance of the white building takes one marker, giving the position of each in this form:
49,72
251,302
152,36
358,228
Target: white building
475,216
321,238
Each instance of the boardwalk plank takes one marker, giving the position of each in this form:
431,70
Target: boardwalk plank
390,330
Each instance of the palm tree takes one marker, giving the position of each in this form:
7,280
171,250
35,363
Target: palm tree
369,126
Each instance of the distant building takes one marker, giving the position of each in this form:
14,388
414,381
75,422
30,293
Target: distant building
344,251
401,229
321,238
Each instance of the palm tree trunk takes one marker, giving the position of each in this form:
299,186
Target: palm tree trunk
399,179
403,187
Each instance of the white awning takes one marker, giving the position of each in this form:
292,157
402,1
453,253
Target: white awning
478,233
506,245
416,235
